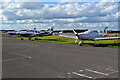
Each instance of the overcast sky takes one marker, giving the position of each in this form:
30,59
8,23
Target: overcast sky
59,12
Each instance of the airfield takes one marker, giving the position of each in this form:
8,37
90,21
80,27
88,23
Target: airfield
34,59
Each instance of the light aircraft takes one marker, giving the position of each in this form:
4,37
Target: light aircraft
12,33
32,33
92,35
35,33
24,33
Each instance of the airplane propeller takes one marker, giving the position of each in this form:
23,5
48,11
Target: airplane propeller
92,35
74,31
76,36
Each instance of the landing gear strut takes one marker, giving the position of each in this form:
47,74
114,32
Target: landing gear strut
96,44
80,43
29,38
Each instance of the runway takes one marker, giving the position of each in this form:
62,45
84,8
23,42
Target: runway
32,59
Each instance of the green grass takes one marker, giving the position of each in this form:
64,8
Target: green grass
59,39
53,38
3,33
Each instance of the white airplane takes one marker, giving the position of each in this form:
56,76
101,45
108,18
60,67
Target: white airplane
35,33
92,35
12,33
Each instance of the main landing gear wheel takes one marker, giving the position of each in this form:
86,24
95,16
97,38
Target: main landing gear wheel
29,38
36,38
22,39
80,43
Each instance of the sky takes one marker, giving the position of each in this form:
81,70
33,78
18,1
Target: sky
61,14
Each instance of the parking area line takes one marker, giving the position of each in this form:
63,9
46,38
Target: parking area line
12,59
97,72
82,75
19,54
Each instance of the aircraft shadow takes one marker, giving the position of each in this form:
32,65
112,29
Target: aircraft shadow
103,45
117,45
53,40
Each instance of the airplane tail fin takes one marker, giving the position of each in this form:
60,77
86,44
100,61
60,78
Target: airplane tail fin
105,30
50,30
34,30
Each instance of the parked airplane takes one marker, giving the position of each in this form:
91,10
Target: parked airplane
12,33
31,33
35,33
92,35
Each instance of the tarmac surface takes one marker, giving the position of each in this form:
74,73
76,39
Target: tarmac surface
32,59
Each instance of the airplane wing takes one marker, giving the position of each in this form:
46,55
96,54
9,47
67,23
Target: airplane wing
107,38
63,35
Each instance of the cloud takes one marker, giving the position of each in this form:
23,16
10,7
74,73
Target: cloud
20,1
63,1
29,5
112,8
70,14
36,10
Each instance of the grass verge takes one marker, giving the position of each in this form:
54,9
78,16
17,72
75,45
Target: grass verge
59,39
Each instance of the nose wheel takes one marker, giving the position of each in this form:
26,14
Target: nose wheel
80,43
